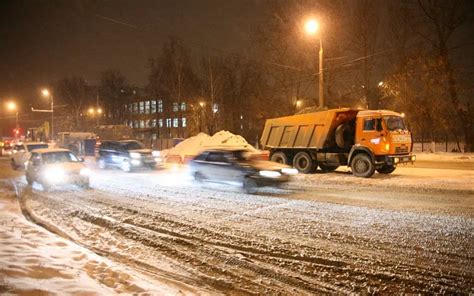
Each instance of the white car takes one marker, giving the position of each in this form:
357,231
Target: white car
22,152
56,166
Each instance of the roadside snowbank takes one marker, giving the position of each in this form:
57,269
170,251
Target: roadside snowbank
34,261
445,157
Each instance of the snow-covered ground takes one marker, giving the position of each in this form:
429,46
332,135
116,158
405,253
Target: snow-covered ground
34,261
409,232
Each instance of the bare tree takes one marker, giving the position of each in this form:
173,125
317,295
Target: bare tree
74,92
114,93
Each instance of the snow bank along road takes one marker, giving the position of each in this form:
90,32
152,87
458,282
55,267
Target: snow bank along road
410,232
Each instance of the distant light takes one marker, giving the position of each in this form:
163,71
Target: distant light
381,83
11,106
45,92
403,115
202,104
99,111
91,111
311,26
298,103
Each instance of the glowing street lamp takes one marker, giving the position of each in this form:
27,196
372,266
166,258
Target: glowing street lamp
201,104
312,27
47,94
11,106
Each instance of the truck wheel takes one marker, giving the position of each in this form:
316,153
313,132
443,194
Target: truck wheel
279,157
362,166
328,168
386,169
304,163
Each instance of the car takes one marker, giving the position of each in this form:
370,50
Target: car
233,166
22,152
7,149
128,155
56,166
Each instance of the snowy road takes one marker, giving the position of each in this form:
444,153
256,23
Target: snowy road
325,233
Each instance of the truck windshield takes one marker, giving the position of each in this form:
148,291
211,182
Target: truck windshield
394,123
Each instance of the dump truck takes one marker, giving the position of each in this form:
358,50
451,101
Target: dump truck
364,140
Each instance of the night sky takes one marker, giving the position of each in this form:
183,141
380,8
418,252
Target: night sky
43,41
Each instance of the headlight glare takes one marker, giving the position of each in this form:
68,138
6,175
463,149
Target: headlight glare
134,155
289,171
270,174
156,153
85,172
55,175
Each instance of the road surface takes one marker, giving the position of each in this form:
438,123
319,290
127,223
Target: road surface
411,232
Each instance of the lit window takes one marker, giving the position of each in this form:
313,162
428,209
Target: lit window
183,122
142,123
183,106
175,107
135,108
153,123
168,122
147,107
142,107
135,124
215,108
153,107
160,122
175,122
153,136
160,106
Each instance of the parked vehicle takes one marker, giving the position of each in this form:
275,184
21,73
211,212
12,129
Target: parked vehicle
56,166
127,155
22,152
232,166
365,140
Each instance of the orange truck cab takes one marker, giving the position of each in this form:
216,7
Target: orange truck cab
365,140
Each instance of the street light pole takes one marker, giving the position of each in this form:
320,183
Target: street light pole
321,77
52,117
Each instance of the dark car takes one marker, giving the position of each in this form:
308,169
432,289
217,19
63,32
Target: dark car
127,155
233,166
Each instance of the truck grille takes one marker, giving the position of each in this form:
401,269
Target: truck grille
402,149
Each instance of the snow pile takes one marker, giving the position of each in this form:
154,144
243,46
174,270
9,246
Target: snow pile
222,139
445,157
34,261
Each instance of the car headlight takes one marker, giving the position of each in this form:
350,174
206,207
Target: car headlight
135,155
85,172
135,162
155,153
289,171
269,174
54,174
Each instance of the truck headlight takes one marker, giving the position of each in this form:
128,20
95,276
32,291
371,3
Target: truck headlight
413,157
387,146
55,175
289,171
269,174
396,160
135,155
85,172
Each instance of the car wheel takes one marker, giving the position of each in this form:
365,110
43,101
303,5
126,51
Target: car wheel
279,157
328,168
29,180
386,169
13,164
85,184
126,167
250,186
46,187
362,166
198,177
304,163
101,164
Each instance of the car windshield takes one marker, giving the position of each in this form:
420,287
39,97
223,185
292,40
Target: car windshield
36,146
240,155
394,123
59,157
134,145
